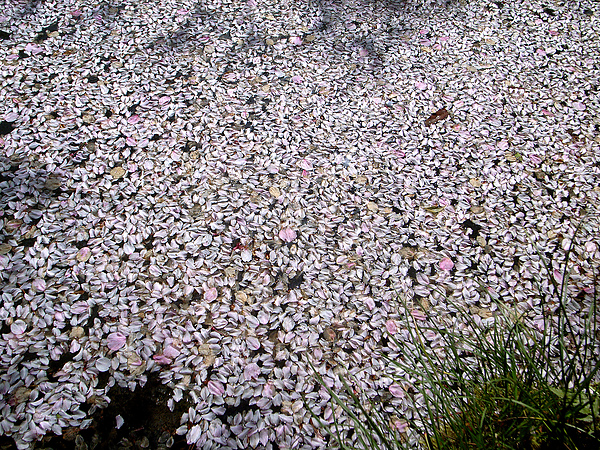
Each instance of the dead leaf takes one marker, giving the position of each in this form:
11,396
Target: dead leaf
117,172
436,209
437,116
372,206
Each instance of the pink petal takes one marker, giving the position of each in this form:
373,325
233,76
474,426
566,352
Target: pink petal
418,315
591,247
11,117
446,264
363,52
553,33
370,303
401,425
76,13
541,52
437,47
215,387
558,276
162,360
83,254
296,40
306,165
535,159
252,371
390,325
116,341
396,391
38,285
444,38
171,352
287,234
253,343
133,119
503,144
547,113
297,79
182,11
131,141
164,100
18,327
211,294
420,85
33,49
79,308
579,106
268,390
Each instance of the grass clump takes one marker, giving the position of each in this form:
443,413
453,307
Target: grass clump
508,384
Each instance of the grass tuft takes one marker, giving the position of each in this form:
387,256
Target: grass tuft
503,385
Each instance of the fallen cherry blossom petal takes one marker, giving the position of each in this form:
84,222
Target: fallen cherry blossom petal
396,390
215,387
535,159
391,327
446,264
558,276
171,352
18,327
287,234
251,371
38,285
11,117
306,164
211,294
253,343
116,341
103,364
418,315
162,360
133,119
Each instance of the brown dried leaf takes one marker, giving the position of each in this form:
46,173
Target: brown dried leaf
437,116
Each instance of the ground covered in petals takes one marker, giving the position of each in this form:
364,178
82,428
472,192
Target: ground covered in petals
201,199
